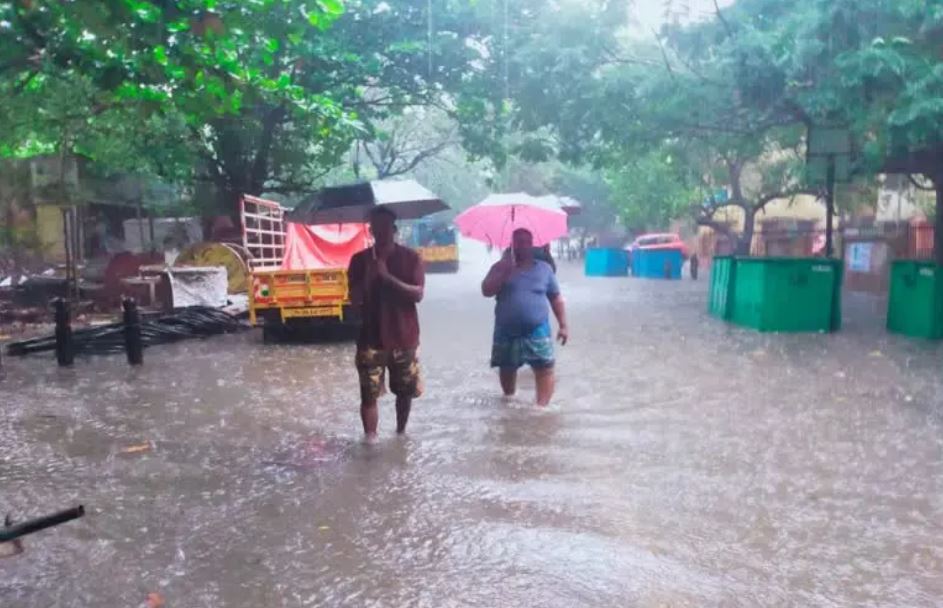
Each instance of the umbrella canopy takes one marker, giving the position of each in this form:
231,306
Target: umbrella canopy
495,219
408,199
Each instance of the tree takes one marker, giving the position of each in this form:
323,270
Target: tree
694,110
201,64
537,72
650,190
400,145
869,65
272,92
897,71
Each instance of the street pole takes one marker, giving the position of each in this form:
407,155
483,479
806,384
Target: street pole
829,205
133,346
65,348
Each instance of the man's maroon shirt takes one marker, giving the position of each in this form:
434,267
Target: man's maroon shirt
390,318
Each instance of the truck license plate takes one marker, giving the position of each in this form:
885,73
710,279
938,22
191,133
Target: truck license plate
309,311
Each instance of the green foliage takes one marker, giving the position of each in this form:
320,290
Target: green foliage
730,98
201,56
649,191
538,71
249,96
598,212
168,89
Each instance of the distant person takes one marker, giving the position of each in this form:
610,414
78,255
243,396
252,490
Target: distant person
387,282
562,246
526,290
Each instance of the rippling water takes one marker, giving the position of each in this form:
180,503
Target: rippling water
684,463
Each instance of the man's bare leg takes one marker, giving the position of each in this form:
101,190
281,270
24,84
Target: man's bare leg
545,385
403,405
508,381
370,416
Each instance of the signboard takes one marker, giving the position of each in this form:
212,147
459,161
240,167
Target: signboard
817,169
825,146
859,257
829,141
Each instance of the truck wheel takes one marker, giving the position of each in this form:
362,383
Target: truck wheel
270,335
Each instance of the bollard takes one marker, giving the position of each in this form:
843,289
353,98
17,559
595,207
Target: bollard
694,263
65,349
132,332
666,269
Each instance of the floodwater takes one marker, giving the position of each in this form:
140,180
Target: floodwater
684,463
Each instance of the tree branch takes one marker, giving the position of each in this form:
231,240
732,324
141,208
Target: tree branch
704,216
664,56
419,158
377,162
791,193
723,20
614,58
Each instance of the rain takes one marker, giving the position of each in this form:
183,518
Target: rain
218,218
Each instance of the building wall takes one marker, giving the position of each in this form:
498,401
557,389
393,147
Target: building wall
802,214
803,207
899,201
49,229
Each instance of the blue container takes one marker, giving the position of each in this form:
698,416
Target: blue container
606,263
657,263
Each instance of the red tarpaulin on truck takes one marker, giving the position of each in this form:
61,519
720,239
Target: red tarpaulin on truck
328,246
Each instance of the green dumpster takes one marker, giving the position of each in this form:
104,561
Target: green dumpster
786,294
915,299
720,295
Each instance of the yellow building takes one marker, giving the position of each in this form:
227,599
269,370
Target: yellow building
790,226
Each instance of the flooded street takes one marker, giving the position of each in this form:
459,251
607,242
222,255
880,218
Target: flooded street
683,463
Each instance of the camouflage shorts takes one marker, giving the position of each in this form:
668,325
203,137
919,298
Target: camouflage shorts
405,379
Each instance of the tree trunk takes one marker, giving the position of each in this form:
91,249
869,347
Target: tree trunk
260,166
938,222
745,242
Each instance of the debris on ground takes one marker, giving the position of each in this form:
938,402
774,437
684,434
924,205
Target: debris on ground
182,324
137,449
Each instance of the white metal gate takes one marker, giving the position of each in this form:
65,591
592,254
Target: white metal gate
263,232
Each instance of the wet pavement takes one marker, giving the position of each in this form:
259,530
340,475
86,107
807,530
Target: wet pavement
684,463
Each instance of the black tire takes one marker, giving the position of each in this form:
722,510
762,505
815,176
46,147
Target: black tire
271,334
450,267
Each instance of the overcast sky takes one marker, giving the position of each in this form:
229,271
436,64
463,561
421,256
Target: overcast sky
650,14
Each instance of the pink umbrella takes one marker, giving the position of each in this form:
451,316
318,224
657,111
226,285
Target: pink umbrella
494,219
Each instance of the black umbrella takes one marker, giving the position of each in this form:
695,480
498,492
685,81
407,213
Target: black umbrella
408,199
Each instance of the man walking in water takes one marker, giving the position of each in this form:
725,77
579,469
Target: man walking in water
526,289
386,282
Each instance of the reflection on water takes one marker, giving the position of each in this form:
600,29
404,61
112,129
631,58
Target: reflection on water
685,463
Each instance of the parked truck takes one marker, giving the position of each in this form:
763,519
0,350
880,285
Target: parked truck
298,273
